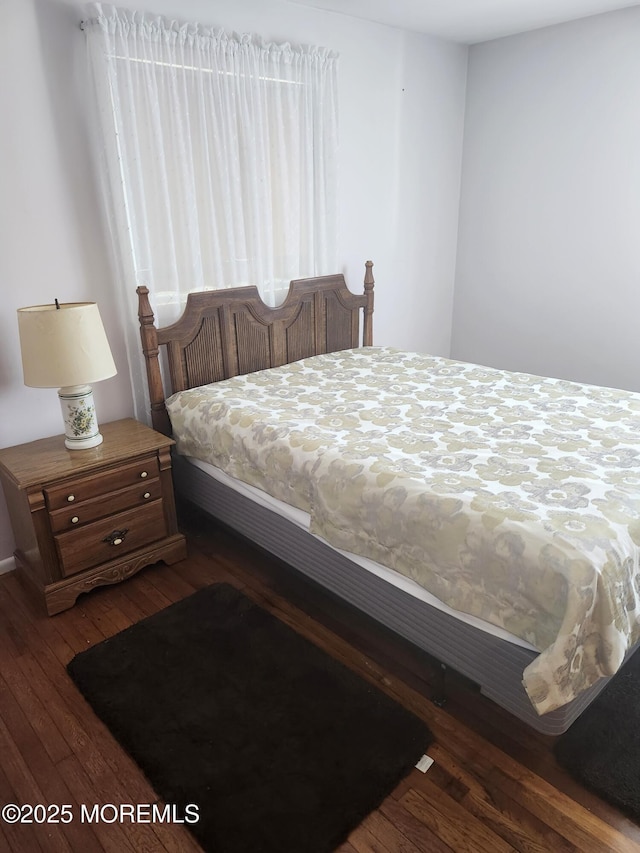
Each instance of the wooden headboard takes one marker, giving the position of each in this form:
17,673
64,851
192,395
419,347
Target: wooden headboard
224,333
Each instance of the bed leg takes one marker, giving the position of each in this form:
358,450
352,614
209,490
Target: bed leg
439,695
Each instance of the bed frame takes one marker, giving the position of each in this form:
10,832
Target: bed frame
223,333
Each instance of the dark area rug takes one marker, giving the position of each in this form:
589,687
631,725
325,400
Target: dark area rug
601,750
281,748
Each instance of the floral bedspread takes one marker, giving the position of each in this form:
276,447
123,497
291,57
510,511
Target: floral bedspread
511,497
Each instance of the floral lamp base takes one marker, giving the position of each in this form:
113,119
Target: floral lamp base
79,414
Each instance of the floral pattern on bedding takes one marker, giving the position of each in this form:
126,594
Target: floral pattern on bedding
511,497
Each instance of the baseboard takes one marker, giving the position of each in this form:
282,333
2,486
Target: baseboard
7,565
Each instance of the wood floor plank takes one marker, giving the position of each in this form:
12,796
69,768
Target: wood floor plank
100,609
495,807
562,814
365,842
60,634
451,822
13,598
146,599
170,582
111,836
15,688
124,836
20,773
151,591
586,831
413,828
20,837
382,833
197,571
80,630
11,642
131,606
4,841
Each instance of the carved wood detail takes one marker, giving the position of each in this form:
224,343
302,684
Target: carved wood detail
226,332
252,342
62,597
203,355
300,335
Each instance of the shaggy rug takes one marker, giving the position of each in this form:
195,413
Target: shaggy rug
225,708
602,748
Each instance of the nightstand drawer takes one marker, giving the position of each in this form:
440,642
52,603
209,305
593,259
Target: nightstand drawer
73,515
110,538
82,489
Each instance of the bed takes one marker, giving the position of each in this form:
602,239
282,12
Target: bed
477,540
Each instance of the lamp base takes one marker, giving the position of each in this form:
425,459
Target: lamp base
79,415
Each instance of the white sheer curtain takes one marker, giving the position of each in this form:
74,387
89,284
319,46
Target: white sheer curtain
218,158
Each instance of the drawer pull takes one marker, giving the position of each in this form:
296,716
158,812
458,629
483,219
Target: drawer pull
144,474
147,495
75,519
71,498
117,537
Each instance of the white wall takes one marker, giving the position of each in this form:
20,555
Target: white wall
548,263
428,192
401,108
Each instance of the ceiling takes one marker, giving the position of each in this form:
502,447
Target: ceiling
469,21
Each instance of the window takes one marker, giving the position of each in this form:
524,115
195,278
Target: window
218,156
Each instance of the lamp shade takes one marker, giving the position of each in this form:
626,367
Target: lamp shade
63,344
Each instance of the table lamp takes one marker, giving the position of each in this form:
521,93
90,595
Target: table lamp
64,346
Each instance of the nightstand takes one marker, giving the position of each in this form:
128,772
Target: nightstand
85,518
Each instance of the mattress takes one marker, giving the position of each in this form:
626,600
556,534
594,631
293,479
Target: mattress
511,498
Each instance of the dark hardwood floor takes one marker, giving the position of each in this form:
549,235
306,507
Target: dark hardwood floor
494,785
